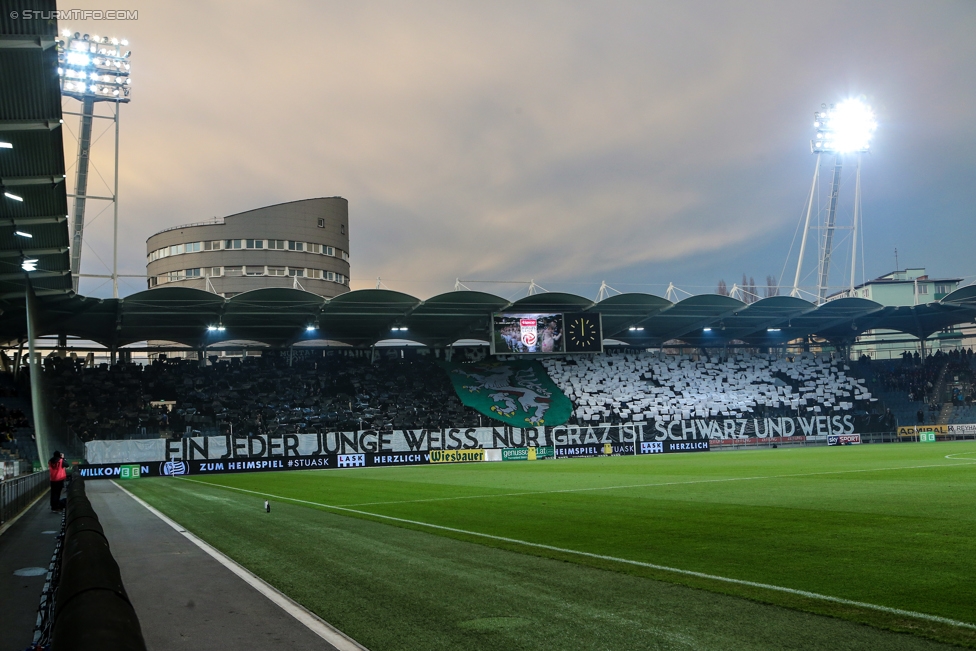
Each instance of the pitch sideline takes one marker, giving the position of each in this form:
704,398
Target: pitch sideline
313,622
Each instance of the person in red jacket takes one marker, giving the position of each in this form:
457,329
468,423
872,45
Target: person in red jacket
58,475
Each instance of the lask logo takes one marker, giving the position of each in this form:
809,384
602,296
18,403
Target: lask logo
173,468
652,447
352,460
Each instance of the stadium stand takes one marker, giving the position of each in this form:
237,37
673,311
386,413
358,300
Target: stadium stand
17,447
916,390
639,387
258,395
253,395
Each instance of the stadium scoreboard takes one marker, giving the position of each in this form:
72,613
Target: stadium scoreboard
516,333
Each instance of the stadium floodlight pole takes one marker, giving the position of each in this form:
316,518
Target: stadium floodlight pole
829,227
857,217
845,128
93,69
806,230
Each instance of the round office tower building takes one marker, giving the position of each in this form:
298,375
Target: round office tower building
300,244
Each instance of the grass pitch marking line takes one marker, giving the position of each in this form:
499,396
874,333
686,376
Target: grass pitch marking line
615,559
964,462
313,622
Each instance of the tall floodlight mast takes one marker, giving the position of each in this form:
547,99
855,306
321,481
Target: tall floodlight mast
93,69
842,129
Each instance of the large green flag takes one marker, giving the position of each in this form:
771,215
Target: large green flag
518,393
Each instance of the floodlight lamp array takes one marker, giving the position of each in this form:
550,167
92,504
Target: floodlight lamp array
94,67
844,128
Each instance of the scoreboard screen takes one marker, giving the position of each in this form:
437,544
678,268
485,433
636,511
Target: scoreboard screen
545,333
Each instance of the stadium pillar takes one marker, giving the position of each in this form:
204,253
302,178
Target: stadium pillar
37,396
112,356
291,355
18,356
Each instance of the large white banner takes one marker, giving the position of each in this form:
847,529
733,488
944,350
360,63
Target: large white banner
424,440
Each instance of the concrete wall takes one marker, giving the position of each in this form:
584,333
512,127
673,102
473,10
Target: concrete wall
323,221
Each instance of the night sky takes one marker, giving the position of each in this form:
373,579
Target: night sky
570,143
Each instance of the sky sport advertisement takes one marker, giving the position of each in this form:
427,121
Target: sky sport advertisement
527,334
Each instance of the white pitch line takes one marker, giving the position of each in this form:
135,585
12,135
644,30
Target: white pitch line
313,622
625,561
668,483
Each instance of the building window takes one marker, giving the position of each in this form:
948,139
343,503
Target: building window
328,250
314,248
194,247
193,273
296,272
234,271
314,273
342,228
321,223
276,244
232,244
296,246
943,289
329,275
923,288
340,279
254,244
174,276
276,271
214,271
176,249
345,256
212,245
254,270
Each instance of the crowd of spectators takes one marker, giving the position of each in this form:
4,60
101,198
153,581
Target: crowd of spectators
912,385
253,395
642,387
345,391
10,421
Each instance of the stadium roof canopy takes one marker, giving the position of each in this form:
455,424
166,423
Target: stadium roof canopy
284,317
32,191
32,170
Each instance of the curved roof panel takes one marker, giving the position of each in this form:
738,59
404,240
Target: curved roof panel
551,302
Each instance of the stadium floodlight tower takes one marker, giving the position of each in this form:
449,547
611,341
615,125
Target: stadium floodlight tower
842,130
93,69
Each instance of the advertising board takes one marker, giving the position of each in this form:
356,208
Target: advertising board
456,456
662,447
844,439
527,454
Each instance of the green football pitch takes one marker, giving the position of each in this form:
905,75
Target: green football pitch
858,547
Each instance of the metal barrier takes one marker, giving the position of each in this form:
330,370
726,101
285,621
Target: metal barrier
87,608
17,493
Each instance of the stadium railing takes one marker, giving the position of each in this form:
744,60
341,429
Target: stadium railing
88,608
17,493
